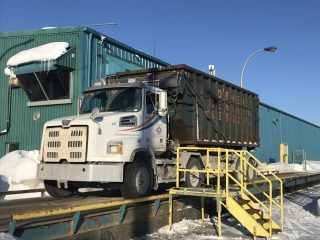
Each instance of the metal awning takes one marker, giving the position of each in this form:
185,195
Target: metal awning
67,60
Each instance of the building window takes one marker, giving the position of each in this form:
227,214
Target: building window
50,85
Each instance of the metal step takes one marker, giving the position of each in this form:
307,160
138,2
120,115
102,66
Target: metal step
242,201
252,211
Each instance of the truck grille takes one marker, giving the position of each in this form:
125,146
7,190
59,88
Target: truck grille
65,144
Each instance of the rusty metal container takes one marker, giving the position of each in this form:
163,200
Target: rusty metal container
203,109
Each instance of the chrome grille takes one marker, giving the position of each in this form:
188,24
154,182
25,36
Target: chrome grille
65,144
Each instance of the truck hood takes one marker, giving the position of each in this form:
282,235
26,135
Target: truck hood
88,119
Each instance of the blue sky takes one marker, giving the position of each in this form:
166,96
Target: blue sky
203,32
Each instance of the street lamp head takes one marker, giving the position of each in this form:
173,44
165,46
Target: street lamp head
267,49
270,49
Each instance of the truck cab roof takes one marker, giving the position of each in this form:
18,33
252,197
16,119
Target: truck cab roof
118,85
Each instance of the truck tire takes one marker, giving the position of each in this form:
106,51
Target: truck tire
194,180
251,174
53,190
138,180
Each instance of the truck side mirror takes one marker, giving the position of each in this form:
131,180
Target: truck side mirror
162,107
79,103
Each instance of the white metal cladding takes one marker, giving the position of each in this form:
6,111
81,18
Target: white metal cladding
65,144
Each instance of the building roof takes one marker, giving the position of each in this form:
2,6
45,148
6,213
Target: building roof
84,29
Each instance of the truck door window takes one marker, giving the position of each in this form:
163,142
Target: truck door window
150,102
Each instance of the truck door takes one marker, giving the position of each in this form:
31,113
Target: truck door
155,133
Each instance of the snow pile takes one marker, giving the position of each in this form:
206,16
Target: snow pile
18,171
43,53
313,166
7,236
309,166
194,229
284,168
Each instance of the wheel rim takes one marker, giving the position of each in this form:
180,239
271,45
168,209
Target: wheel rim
250,171
142,180
194,177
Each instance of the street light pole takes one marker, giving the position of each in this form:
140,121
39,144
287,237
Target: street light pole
268,49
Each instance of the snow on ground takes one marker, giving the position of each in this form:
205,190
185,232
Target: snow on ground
309,166
18,171
7,236
300,215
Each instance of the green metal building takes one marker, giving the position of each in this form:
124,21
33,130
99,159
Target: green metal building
46,90
278,127
90,57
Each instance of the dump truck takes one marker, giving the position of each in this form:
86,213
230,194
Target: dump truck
130,125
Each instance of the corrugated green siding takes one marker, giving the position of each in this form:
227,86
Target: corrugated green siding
94,60
277,126
24,129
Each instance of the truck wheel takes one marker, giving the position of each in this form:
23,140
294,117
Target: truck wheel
251,173
53,190
193,179
138,180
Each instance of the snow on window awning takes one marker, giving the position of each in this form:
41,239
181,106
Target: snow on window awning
43,58
43,53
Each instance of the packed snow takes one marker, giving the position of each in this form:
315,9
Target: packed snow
8,72
18,171
43,53
309,166
7,236
301,221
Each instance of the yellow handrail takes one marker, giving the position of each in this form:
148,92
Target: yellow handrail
242,182
280,206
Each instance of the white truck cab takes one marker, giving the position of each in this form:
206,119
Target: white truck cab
118,124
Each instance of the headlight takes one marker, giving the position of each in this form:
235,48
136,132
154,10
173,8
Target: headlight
114,147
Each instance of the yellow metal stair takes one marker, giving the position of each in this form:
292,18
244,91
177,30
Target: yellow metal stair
250,216
239,198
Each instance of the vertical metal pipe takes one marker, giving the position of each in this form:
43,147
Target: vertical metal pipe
281,202
170,212
227,171
177,168
219,216
202,209
89,60
207,166
270,208
6,131
219,174
241,172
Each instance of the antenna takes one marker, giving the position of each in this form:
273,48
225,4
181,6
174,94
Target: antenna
212,70
154,48
101,24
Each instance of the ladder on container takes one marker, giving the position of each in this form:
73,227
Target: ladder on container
239,196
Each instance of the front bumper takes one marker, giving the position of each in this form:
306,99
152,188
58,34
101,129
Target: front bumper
81,172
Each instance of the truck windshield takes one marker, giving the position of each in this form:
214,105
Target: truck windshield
112,100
